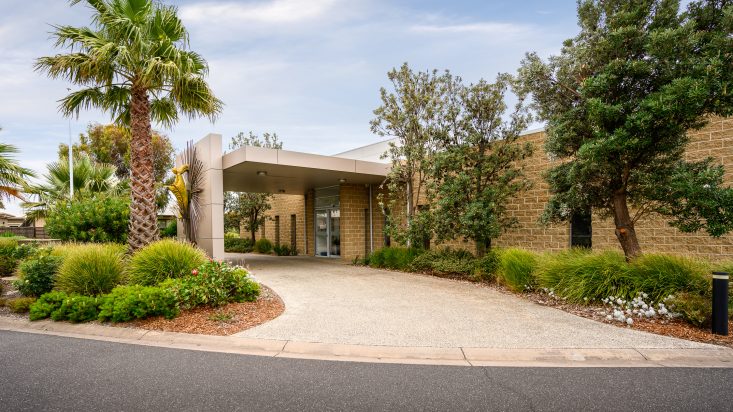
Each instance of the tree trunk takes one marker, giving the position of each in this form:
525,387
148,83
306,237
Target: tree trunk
625,232
143,211
252,227
482,247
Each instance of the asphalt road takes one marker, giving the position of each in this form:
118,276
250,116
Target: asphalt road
41,372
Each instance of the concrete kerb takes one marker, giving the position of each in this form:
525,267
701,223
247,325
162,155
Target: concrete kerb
520,357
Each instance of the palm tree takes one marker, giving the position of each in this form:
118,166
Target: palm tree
90,177
12,175
134,63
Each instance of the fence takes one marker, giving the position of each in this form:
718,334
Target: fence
29,232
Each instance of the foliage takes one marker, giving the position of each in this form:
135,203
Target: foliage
37,274
90,178
100,218
238,245
416,114
479,169
487,266
444,262
619,100
47,304
517,269
77,308
8,262
662,275
20,305
249,209
693,308
110,144
213,284
134,63
92,269
284,250
397,258
170,230
12,175
263,246
163,260
126,303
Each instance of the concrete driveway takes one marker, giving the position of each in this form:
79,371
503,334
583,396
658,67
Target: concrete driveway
330,302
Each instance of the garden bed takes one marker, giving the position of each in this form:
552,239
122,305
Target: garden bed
225,320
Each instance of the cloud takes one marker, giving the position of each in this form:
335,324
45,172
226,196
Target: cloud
484,28
272,12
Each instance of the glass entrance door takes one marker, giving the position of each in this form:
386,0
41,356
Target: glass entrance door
328,232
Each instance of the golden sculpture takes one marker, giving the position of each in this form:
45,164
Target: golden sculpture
178,188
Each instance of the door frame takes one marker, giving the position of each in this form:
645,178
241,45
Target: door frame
328,211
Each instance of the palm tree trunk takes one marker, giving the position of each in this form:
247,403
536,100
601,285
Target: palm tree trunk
143,211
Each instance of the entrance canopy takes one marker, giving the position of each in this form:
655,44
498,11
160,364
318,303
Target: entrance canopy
263,170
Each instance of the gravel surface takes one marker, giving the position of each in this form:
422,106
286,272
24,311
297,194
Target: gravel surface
331,302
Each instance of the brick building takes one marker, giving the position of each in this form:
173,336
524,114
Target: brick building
327,205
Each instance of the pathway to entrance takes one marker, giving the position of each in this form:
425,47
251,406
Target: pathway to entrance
328,301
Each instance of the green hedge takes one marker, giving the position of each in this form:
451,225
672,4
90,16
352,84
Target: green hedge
238,245
99,219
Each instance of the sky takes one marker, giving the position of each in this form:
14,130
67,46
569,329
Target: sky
308,70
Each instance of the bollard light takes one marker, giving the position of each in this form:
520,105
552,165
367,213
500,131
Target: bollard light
720,303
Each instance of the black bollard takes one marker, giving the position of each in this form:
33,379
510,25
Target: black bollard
720,303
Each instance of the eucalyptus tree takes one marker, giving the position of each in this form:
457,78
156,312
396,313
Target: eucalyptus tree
415,114
619,100
134,63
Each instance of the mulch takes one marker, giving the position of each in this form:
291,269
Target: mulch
225,320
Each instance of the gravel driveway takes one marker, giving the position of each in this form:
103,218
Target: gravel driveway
328,301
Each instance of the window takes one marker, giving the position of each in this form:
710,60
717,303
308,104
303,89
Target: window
581,230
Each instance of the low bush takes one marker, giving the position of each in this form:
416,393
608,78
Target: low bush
213,284
37,274
20,305
397,258
516,269
692,307
92,269
47,304
487,266
126,303
77,308
579,275
662,275
8,261
100,219
444,262
284,250
263,246
238,245
161,260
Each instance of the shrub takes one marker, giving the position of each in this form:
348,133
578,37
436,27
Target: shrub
126,303
579,274
47,304
662,275
487,266
99,219
213,284
693,308
20,305
170,230
37,274
284,250
231,234
163,260
91,269
397,258
77,308
8,261
263,246
444,262
238,245
516,269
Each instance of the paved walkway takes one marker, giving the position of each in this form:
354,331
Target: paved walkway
327,301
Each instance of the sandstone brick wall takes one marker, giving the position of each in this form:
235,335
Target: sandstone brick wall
655,235
284,206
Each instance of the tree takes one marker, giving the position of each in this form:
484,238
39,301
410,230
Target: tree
90,178
133,63
12,175
619,100
111,144
479,169
416,114
249,209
